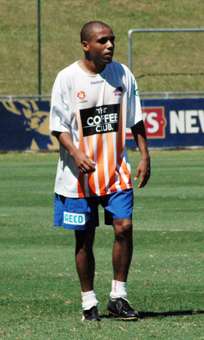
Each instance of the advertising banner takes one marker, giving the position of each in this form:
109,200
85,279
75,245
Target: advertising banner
24,125
170,123
173,123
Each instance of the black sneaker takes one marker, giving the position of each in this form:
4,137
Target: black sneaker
121,309
91,314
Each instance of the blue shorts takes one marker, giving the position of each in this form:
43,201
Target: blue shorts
80,213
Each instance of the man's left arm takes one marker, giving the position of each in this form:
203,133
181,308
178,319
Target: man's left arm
144,167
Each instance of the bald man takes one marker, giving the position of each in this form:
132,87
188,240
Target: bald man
93,101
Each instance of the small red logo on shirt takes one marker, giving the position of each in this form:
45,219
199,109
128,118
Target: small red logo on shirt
81,95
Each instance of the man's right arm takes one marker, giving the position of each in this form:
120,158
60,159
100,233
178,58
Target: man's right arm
83,162
60,124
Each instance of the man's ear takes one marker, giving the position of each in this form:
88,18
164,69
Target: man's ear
85,46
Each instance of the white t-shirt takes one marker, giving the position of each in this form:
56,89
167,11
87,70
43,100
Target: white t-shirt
95,110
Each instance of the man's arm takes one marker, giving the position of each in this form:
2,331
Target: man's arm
60,112
84,163
144,168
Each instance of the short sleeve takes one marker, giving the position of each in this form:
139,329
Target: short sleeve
60,110
134,111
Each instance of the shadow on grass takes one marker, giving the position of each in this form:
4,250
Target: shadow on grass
144,315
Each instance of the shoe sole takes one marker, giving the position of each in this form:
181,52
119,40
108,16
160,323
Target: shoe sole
84,319
123,318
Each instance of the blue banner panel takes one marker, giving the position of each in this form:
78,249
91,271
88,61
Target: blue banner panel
24,126
173,123
170,123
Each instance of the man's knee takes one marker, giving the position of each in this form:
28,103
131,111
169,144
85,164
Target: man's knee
84,241
123,229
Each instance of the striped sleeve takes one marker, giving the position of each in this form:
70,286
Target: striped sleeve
134,111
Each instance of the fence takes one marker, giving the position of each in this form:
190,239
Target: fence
167,59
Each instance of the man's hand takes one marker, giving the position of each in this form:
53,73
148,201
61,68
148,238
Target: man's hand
83,162
143,172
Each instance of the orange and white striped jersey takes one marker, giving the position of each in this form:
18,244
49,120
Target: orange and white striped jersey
95,109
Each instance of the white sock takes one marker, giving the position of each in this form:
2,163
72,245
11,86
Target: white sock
88,299
119,290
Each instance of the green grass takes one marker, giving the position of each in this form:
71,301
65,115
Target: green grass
162,62
39,289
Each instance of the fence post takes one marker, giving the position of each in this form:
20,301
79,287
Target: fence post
39,66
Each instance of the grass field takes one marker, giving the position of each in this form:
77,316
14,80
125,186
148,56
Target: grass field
162,62
39,289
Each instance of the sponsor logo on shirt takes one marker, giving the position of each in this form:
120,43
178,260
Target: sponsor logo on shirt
94,82
81,95
136,92
118,91
100,119
73,218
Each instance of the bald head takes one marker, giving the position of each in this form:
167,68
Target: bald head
89,28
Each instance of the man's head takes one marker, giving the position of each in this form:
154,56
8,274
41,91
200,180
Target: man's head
97,41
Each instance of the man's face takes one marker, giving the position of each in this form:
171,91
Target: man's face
100,46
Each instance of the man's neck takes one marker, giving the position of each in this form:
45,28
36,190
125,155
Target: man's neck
91,67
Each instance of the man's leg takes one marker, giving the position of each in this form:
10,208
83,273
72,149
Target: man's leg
118,305
85,265
122,248
85,262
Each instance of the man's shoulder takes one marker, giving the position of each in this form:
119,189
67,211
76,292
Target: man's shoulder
119,67
68,70
64,77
